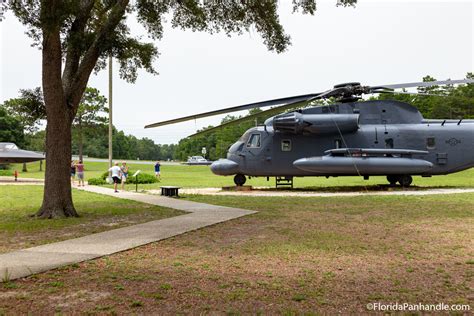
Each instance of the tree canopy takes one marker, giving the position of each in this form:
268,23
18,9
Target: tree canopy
11,130
28,108
90,113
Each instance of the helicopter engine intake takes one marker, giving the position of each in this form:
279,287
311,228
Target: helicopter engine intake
318,124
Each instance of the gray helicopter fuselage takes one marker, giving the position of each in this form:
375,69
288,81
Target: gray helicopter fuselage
392,136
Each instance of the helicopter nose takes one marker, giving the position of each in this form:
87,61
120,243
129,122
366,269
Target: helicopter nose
224,167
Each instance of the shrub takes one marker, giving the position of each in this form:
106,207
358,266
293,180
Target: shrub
4,166
142,178
6,173
96,181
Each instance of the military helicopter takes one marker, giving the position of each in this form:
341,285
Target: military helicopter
10,153
347,138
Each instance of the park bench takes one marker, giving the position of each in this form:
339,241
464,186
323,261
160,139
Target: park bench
169,190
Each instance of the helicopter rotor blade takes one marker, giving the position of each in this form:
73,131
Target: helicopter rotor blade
420,84
265,113
340,91
287,100
412,93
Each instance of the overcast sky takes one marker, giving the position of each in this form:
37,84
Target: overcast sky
378,42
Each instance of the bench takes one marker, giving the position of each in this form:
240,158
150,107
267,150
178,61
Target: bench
169,190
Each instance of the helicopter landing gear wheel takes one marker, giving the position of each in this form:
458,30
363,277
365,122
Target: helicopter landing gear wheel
405,181
393,179
239,179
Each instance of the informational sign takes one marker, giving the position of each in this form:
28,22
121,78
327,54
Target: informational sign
136,180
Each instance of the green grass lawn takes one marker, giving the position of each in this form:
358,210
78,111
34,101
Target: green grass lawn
297,256
201,176
97,213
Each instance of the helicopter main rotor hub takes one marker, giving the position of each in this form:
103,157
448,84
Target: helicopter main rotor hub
349,92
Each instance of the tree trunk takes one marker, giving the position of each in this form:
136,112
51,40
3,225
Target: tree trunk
57,197
24,169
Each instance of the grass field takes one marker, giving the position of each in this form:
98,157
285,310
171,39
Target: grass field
296,256
98,213
201,176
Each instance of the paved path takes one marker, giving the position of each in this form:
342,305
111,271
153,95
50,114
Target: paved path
29,261
21,181
287,193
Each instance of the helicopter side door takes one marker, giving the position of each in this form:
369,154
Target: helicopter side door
258,154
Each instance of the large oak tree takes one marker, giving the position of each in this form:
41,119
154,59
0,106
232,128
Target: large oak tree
76,37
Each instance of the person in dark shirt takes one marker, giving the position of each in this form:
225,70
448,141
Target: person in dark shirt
73,171
157,170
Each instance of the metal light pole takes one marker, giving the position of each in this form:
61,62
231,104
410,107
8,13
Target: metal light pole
110,111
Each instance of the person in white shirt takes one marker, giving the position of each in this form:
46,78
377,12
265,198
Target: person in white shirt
116,174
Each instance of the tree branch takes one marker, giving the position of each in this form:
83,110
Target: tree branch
76,34
79,83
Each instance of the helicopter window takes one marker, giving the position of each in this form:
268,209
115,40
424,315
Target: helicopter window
254,141
430,143
286,145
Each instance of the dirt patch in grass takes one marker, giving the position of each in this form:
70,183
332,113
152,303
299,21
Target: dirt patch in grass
306,255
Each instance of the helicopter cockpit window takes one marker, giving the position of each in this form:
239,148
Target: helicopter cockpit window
254,141
286,145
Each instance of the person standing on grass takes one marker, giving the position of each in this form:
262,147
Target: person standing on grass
124,170
116,174
157,170
80,172
73,171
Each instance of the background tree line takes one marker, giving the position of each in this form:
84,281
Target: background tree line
446,102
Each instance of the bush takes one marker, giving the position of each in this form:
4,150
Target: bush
142,178
96,181
6,173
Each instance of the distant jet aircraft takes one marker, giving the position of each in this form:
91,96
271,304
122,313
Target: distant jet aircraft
10,153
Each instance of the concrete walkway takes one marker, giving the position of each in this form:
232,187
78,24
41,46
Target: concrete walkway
20,181
29,261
